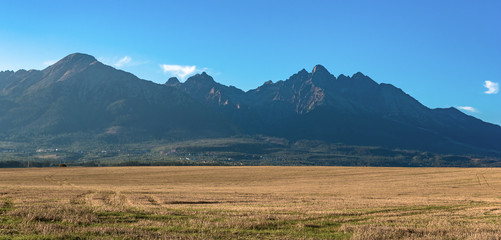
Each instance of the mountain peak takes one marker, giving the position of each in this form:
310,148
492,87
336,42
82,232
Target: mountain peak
203,77
319,69
78,58
69,65
362,78
321,76
79,94
173,81
358,75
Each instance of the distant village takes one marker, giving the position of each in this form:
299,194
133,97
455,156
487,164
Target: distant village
170,154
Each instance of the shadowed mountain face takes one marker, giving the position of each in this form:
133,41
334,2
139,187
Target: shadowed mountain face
78,94
352,110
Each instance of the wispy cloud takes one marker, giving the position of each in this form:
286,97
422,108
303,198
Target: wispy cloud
492,87
49,62
468,108
122,61
180,71
119,62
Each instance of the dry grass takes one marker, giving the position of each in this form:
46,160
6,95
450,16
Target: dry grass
250,202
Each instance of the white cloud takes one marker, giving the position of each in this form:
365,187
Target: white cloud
123,61
468,108
492,87
179,70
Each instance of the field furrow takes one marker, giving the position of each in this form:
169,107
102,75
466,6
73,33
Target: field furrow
250,203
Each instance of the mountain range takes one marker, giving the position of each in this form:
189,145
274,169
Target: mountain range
80,95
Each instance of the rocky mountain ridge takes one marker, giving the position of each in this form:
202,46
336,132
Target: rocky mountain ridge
354,110
78,94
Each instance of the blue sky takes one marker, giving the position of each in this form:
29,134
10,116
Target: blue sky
443,53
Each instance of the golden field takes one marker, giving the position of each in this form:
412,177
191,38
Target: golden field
250,203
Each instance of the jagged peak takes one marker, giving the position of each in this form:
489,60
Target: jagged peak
200,77
358,75
303,74
365,79
321,75
268,82
319,69
303,71
172,81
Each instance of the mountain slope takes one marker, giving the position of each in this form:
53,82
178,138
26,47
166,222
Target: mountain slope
229,101
80,94
354,110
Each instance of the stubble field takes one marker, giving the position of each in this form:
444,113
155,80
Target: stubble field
250,202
